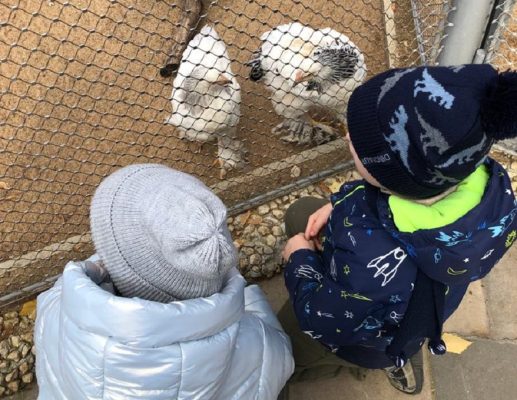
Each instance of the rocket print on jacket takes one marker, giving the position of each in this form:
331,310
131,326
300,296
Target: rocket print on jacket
387,265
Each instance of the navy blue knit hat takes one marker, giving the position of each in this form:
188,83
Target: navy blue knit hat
419,131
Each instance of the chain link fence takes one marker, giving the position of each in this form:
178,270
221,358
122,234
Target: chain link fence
86,89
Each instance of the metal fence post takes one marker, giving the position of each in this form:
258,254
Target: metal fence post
464,34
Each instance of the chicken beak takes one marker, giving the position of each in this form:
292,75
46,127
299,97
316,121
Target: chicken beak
301,76
223,81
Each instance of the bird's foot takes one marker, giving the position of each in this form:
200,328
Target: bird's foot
231,157
323,134
299,132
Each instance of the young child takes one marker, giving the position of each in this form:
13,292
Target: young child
400,247
183,327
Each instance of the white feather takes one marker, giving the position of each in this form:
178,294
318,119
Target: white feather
217,110
289,48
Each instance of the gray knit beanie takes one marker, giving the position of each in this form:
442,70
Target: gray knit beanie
161,233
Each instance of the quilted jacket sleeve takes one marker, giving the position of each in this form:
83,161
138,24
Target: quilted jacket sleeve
263,350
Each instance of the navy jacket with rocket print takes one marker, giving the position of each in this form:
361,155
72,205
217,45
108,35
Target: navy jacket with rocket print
354,293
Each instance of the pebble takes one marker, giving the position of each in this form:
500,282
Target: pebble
268,250
254,274
15,341
255,219
10,323
13,355
28,378
273,205
248,251
5,366
277,231
24,368
271,240
263,230
263,209
25,349
278,214
13,386
11,376
255,259
243,263
4,348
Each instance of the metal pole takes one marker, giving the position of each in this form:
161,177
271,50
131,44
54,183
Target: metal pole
464,34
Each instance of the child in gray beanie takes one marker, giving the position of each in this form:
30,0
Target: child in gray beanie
184,326
161,233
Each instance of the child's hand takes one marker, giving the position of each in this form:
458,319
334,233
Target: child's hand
297,242
316,222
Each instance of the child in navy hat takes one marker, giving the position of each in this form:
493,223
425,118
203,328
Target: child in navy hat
399,248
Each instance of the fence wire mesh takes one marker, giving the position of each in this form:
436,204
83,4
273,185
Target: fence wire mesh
82,95
501,46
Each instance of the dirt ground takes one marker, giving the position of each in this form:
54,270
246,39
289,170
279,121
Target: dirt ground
81,96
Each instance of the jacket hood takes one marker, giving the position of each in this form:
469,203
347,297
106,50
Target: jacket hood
468,248
144,323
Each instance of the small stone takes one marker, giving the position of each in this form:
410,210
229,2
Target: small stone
248,230
28,378
27,337
238,243
11,376
11,315
277,231
255,219
254,274
231,228
25,349
229,220
4,348
1,322
263,209
271,241
24,368
296,171
273,205
285,198
243,263
13,386
271,220
278,214
267,250
255,268
5,366
13,355
9,324
248,251
259,249
2,391
15,341
255,259
263,230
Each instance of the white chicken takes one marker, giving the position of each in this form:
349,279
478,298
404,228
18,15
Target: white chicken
206,98
304,68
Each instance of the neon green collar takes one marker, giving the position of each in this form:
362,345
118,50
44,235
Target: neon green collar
410,216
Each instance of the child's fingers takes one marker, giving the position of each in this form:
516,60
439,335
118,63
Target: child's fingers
309,228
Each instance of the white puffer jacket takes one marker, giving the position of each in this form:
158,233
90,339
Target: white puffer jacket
91,344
